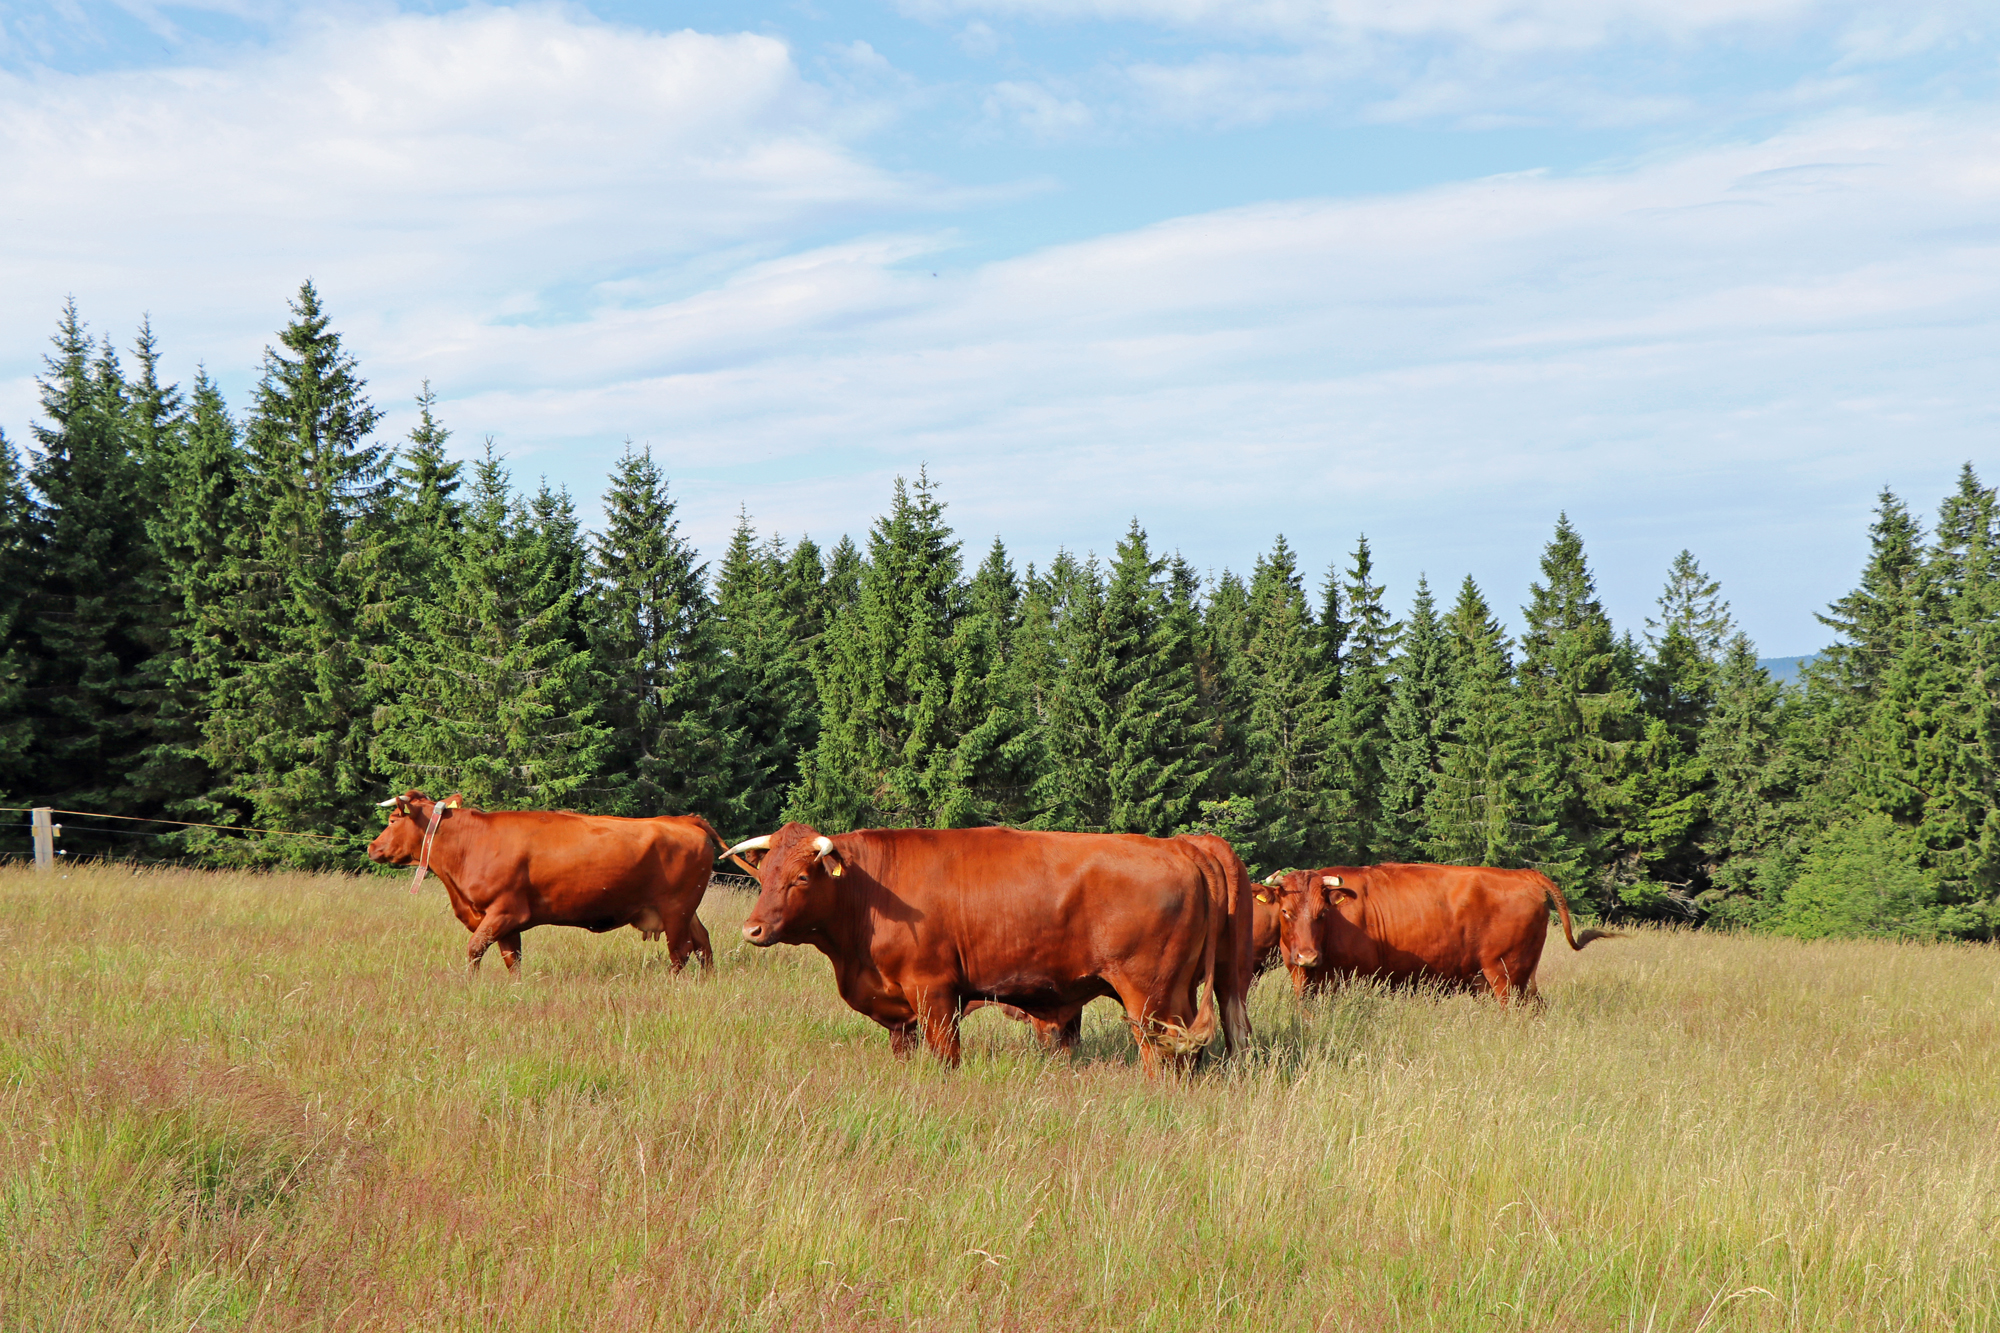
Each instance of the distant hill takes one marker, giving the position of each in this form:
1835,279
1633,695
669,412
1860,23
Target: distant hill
1784,670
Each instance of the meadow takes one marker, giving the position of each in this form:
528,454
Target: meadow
275,1102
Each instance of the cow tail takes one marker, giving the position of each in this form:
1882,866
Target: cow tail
1562,906
1203,1030
721,843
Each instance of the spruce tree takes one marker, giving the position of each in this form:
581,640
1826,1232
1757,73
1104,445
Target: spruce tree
1752,798
1873,621
290,726
1221,675
1072,792
1492,804
427,506
1281,670
996,759
17,572
96,615
1583,716
766,607
1928,746
201,532
884,680
1358,757
495,696
1669,783
1151,707
658,655
1420,715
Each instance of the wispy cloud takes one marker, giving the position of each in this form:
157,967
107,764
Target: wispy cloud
501,161
1484,63
581,232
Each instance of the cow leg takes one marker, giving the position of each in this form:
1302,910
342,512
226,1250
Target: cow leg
695,942
499,922
940,1024
1062,1036
902,1040
510,950
1148,1016
1497,978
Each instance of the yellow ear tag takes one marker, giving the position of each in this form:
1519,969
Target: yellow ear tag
1263,897
835,869
451,803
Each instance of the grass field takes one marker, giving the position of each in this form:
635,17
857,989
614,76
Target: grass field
275,1102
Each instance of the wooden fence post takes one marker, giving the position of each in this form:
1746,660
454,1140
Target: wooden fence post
45,837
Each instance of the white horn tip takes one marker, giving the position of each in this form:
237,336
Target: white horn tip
391,801
762,844
822,844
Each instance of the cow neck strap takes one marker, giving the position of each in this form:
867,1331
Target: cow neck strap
430,834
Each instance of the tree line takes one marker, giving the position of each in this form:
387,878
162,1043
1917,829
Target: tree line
266,621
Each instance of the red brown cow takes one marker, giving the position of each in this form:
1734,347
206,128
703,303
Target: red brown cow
1064,1027
918,923
1470,925
508,870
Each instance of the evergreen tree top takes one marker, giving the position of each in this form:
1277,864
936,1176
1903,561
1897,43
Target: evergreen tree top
1371,633
1873,617
428,479
1691,607
1478,636
995,591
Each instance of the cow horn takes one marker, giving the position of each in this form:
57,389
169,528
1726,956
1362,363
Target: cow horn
762,844
382,805
822,844
1333,881
1273,878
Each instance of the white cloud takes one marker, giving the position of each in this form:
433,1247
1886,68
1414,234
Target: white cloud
581,233
1727,349
418,167
1486,63
1044,113
1512,25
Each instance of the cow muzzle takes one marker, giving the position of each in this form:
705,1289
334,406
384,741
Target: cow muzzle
1307,959
757,934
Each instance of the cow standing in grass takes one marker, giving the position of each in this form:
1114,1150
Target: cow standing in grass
919,923
1464,925
508,870
1062,1028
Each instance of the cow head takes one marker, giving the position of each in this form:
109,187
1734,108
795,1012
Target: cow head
796,868
1305,899
402,842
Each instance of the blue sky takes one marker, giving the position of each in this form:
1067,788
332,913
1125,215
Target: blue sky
1701,273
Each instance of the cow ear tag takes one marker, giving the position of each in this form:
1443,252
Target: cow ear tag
833,866
452,803
1263,897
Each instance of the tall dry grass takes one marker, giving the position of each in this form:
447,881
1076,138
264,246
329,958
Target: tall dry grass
274,1102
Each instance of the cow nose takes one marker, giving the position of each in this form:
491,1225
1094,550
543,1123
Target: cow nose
753,933
1308,959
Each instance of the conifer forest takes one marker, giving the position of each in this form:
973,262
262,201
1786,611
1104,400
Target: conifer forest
264,618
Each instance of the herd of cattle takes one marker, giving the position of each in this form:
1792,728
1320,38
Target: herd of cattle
924,925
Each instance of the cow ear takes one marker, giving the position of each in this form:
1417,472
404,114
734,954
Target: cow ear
1339,889
453,801
753,858
1263,897
833,865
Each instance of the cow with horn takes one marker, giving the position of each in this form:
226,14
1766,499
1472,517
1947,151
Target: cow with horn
506,871
921,923
1471,926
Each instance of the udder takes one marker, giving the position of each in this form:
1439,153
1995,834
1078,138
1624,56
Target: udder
647,922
